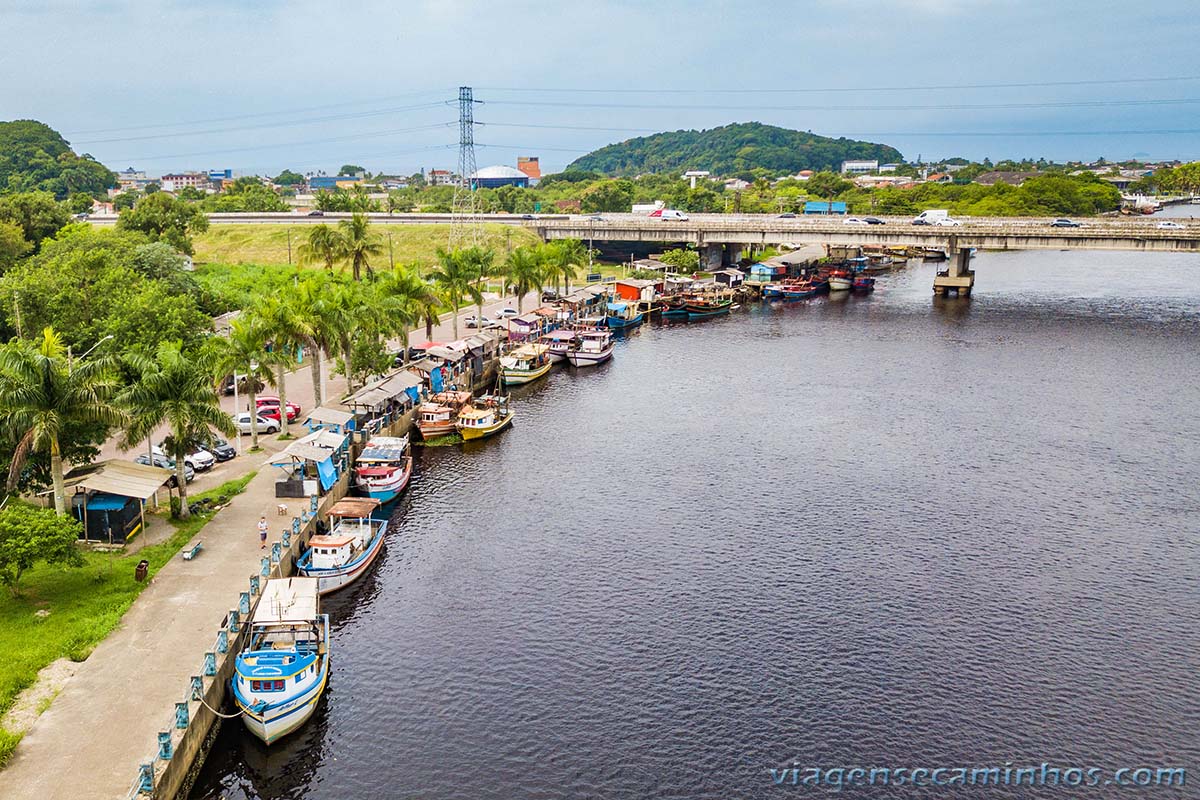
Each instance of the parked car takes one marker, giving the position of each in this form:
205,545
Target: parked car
528,216
200,460
473,321
506,313
550,296
265,424
267,401
80,216
854,221
221,449
1167,225
920,221
272,412
595,218
316,212
227,385
947,222
1065,223
167,463
874,221
787,215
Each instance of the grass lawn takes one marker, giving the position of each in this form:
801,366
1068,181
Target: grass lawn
268,244
85,604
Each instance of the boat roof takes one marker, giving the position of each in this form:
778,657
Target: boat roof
476,413
378,471
331,540
530,349
384,448
560,335
353,507
435,408
287,600
452,396
616,306
599,334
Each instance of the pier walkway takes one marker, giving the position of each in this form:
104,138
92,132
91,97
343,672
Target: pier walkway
90,740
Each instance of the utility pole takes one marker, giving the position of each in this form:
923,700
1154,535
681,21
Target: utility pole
391,254
289,233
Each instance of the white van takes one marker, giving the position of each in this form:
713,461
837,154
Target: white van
670,213
930,216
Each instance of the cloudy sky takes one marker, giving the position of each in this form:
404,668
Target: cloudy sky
260,85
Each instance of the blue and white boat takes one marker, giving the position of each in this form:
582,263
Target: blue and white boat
622,315
280,675
342,556
384,467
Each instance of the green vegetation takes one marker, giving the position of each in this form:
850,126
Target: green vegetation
36,158
31,535
79,607
1054,194
729,150
162,217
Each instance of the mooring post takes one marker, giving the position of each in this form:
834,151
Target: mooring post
165,751
235,621
210,663
244,601
266,566
146,778
181,715
276,552
254,585
197,687
222,641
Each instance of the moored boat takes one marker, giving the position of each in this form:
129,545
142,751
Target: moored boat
342,556
863,283
525,364
490,415
591,348
281,673
840,281
623,315
436,415
801,288
383,468
559,343
708,304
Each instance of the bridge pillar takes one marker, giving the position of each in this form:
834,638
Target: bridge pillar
712,257
957,277
733,255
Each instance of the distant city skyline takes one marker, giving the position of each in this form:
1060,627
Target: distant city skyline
307,86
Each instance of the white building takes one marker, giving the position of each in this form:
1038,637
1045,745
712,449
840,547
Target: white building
859,167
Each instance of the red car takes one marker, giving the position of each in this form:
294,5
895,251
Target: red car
269,407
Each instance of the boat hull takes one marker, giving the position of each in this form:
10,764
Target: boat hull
617,323
429,431
839,284
276,723
469,434
516,377
334,578
589,359
388,492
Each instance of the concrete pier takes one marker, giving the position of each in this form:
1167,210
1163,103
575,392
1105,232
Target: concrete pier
958,277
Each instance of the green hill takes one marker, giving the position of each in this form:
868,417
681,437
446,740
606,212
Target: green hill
729,150
35,157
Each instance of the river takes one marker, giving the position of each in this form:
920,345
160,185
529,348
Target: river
886,531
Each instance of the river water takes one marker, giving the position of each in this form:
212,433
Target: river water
886,531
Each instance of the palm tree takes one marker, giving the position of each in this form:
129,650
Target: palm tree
318,319
564,258
523,273
175,388
287,333
42,392
324,246
244,351
417,299
479,262
358,244
455,279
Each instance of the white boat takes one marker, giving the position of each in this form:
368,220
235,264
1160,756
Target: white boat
592,348
383,468
525,364
344,555
280,675
840,283
559,342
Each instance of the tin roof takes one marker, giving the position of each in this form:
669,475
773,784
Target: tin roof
287,600
124,478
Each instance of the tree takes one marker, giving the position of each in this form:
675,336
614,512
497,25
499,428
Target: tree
607,196
80,203
479,262
523,273
324,246
417,295
287,333
563,259
165,218
35,157
37,213
243,354
827,185
351,170
13,245
187,193
151,188
42,391
358,244
29,535
126,200
288,178
321,321
683,260
456,280
173,388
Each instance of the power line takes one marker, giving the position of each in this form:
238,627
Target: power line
889,108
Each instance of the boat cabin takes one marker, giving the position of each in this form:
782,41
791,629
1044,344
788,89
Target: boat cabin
732,278
331,550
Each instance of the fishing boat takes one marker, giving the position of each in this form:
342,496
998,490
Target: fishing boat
840,281
591,348
281,673
437,414
490,415
525,364
863,283
342,556
674,306
708,304
559,342
383,468
623,315
772,291
801,288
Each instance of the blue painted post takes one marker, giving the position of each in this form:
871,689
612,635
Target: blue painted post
244,602
296,524
197,687
181,715
276,552
254,585
210,663
312,503
222,641
304,516
235,619
287,537
146,778
165,751
266,566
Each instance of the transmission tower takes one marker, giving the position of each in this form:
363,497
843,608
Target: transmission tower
465,225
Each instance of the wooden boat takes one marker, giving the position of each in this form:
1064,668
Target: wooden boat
559,343
623,315
525,364
489,416
383,468
591,348
282,671
437,415
863,283
801,288
840,281
342,556
675,306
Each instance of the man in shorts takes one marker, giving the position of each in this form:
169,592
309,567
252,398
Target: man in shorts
262,531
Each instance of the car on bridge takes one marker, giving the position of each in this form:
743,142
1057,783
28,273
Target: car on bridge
854,221
1167,225
788,215
1062,222
874,221
946,222
668,214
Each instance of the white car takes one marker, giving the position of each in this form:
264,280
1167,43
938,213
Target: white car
506,313
854,221
473,321
200,460
947,222
1167,225
265,424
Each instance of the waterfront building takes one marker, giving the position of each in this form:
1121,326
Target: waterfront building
860,166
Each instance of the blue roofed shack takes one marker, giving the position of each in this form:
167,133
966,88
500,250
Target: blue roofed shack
110,498
312,464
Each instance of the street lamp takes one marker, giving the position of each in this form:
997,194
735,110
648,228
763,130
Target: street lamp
71,360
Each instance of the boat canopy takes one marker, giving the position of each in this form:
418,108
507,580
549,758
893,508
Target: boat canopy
618,307
287,600
353,507
331,540
385,448
560,336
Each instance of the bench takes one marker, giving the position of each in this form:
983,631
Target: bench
192,550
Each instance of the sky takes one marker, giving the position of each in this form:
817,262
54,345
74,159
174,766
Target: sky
262,85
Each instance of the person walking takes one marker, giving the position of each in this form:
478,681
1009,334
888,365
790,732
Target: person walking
262,531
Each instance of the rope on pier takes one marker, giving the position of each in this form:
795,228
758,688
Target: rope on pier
218,713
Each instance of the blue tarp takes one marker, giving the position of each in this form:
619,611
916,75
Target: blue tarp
616,307
824,207
414,393
106,502
328,473
435,379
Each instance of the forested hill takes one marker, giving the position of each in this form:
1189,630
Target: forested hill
35,157
729,150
